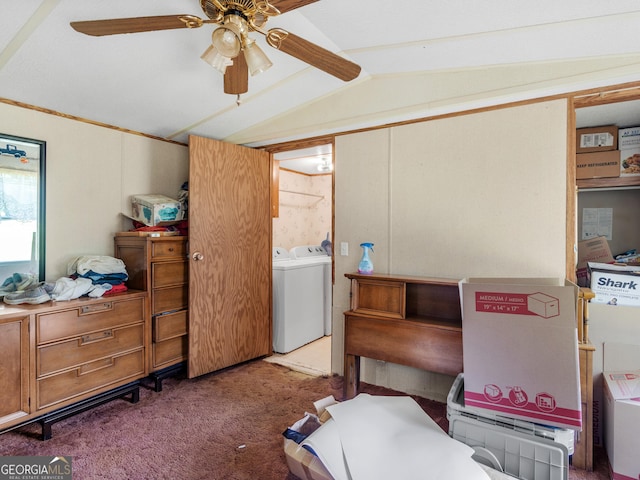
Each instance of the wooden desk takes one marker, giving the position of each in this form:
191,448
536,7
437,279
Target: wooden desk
412,321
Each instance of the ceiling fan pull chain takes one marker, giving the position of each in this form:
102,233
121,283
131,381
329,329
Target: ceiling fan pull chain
238,100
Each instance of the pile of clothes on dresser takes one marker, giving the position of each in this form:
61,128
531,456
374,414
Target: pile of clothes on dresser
88,275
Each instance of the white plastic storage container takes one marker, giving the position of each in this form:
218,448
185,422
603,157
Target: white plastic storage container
524,449
456,407
524,456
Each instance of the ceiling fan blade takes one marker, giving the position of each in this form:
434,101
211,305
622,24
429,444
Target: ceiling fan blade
114,26
285,6
312,54
236,77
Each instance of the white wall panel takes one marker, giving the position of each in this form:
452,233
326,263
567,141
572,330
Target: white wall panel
481,194
90,173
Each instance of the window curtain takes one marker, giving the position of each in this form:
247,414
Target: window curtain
18,195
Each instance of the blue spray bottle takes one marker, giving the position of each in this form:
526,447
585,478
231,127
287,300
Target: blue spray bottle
366,265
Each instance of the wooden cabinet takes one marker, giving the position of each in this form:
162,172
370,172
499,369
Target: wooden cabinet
14,367
60,358
413,321
159,265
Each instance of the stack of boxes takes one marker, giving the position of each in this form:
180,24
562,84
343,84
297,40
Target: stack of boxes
607,151
597,153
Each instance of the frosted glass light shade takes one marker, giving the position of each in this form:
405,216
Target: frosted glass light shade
217,61
256,59
227,40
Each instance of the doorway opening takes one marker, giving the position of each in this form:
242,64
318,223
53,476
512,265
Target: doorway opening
305,219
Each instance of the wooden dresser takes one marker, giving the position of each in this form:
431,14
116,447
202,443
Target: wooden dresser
60,358
159,266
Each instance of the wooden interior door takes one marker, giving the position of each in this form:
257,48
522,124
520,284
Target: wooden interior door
230,255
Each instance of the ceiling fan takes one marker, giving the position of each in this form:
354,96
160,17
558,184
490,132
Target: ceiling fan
232,51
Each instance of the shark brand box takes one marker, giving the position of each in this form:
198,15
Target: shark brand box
615,284
519,338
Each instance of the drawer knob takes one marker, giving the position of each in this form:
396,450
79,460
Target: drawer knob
197,256
171,249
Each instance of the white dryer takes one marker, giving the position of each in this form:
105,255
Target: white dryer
298,301
317,254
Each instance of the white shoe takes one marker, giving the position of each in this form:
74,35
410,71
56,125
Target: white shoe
33,296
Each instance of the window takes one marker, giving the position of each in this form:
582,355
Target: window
22,206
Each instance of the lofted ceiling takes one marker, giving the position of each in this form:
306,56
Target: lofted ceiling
418,58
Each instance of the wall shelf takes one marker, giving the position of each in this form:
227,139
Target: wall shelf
614,182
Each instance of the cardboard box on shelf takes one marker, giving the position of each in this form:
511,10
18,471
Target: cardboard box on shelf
630,162
628,137
591,250
615,284
512,364
153,210
596,139
598,164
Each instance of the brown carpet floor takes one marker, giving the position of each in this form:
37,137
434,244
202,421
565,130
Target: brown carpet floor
222,426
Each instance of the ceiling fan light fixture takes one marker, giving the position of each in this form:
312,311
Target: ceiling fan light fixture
215,59
257,60
226,39
325,166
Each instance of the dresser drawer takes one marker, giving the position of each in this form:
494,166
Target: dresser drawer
170,325
164,274
166,249
90,377
169,352
87,348
169,299
90,318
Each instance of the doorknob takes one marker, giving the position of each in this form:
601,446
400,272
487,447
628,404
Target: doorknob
197,256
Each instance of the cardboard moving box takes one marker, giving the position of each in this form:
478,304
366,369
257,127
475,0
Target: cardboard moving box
622,409
596,139
591,250
598,164
519,337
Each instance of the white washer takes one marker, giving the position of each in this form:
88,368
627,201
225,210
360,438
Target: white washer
298,301
317,253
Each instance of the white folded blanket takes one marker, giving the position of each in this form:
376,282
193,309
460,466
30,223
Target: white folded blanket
101,264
